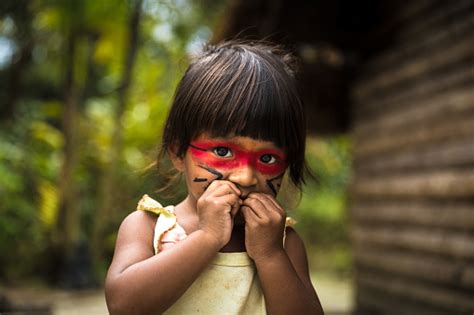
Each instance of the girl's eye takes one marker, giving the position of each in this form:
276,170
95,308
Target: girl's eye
267,159
222,152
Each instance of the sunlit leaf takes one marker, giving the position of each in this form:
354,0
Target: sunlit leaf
48,203
46,133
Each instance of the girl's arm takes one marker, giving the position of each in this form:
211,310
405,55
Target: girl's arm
286,282
283,271
139,282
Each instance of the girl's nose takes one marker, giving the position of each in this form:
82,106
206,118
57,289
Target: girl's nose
244,176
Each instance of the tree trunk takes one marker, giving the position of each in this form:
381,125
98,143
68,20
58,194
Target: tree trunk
109,179
67,230
73,254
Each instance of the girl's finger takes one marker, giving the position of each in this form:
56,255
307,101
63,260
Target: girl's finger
256,206
230,200
233,187
271,202
222,188
249,215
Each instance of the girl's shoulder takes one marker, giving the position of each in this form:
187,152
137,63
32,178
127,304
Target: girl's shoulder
293,242
139,220
135,235
291,233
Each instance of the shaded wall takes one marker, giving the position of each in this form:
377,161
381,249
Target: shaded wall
412,196
324,35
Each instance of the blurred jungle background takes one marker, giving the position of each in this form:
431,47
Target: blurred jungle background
388,221
84,89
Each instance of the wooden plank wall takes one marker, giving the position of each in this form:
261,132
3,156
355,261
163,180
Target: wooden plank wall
412,195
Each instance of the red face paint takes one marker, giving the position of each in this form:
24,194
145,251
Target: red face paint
266,161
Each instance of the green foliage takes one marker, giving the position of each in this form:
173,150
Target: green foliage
26,157
32,140
321,213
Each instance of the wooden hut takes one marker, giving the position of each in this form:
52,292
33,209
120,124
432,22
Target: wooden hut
399,77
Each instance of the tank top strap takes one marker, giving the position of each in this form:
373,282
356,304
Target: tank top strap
166,222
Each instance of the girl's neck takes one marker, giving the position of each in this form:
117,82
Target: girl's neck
237,240
188,219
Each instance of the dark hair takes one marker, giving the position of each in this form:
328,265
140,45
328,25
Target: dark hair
240,89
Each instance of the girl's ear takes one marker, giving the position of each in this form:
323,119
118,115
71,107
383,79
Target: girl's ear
178,162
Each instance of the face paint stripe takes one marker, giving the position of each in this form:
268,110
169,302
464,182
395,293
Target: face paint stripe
272,188
218,174
270,183
198,180
209,145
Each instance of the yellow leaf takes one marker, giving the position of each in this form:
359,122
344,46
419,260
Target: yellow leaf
48,204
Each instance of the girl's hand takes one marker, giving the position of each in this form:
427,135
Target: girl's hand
264,226
216,209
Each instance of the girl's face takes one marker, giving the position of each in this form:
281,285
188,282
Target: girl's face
253,165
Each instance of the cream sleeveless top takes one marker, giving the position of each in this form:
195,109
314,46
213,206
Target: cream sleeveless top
229,285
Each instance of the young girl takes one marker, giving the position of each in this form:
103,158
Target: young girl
235,127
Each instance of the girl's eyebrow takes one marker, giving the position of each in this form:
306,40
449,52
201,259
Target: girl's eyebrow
197,148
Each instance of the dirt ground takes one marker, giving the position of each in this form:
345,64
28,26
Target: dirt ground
335,295
59,302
